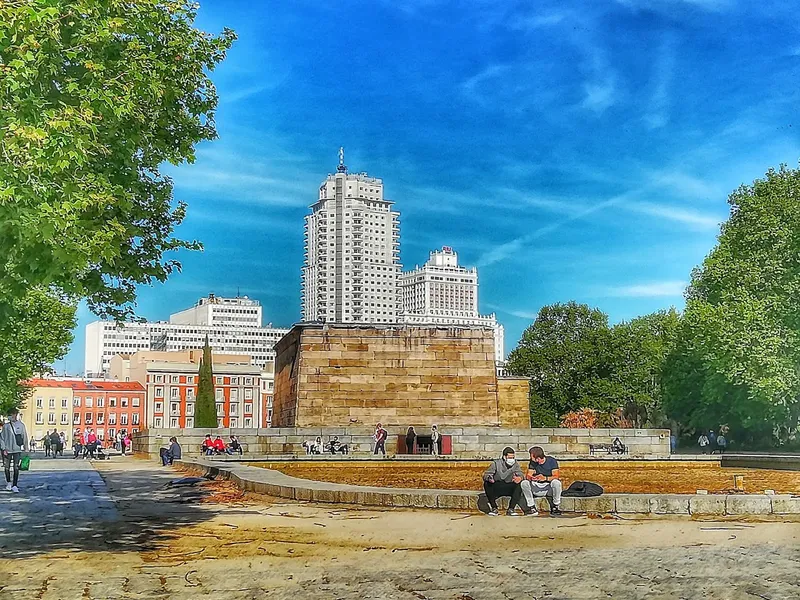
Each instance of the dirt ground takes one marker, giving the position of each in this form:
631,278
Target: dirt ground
214,541
618,477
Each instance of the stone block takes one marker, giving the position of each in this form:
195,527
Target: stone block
303,493
458,501
374,498
702,504
748,505
324,495
347,496
669,504
633,503
287,491
416,500
785,505
599,504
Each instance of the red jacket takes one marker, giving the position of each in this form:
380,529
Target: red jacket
92,438
219,445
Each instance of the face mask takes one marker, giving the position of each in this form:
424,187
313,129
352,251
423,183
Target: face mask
510,461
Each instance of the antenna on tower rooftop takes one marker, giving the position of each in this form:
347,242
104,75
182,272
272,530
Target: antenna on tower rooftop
341,168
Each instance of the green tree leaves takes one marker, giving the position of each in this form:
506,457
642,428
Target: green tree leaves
94,97
205,411
575,360
738,351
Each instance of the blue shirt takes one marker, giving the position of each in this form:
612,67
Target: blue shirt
549,465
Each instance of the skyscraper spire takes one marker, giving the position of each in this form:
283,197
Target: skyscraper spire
341,168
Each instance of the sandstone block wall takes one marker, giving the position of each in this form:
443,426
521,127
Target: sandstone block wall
467,442
337,375
513,402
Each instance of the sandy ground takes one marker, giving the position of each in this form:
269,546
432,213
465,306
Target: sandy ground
635,477
190,543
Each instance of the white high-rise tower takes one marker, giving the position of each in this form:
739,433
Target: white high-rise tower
352,252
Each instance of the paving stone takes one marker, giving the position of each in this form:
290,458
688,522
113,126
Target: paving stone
669,504
633,503
599,504
785,505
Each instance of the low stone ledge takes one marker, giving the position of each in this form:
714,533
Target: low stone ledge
275,483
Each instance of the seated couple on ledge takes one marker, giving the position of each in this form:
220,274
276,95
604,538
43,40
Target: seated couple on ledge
504,477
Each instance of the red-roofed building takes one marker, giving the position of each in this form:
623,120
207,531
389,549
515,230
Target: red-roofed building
108,407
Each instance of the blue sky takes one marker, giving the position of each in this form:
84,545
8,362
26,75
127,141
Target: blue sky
571,150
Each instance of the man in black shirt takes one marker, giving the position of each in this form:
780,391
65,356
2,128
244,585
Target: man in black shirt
542,479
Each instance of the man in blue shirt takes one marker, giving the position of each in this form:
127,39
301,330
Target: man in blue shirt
542,479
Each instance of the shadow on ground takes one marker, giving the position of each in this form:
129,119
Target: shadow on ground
122,505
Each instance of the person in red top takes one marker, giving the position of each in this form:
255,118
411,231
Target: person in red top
92,439
219,446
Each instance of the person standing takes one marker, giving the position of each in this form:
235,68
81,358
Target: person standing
380,439
62,442
46,442
722,443
435,440
54,441
712,440
122,447
503,478
702,441
411,440
13,442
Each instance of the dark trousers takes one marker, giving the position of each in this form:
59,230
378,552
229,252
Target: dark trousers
380,446
501,488
12,460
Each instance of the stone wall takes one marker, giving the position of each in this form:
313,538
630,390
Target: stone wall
468,442
338,375
513,402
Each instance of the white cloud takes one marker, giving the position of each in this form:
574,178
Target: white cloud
647,290
600,95
242,93
675,213
657,115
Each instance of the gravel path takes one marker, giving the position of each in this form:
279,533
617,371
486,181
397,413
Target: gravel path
117,532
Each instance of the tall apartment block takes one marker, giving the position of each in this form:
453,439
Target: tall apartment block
352,252
233,326
441,292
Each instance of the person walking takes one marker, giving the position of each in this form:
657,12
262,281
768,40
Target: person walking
435,440
722,443
62,442
122,447
411,440
712,440
54,442
380,439
13,442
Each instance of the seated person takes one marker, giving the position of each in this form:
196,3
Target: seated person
503,478
336,446
219,446
235,446
542,479
173,452
617,446
207,446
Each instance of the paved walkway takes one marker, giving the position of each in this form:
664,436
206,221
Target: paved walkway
118,533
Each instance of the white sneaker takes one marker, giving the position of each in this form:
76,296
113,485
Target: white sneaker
15,489
8,487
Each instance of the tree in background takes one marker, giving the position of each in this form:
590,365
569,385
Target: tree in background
205,408
564,355
35,334
738,350
638,351
95,97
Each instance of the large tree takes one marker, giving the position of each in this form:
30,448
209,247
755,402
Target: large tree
638,351
94,97
205,408
36,333
564,355
737,356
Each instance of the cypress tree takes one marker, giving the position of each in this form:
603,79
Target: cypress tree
205,409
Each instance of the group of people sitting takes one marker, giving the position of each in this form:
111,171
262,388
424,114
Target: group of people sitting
217,446
334,446
505,477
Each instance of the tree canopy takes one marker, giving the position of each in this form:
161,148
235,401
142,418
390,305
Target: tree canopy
737,356
94,97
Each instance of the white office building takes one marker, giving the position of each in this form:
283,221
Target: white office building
233,326
352,252
441,292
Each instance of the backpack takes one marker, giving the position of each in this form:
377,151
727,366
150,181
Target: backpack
583,489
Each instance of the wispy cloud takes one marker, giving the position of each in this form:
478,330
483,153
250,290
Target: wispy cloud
600,94
243,93
646,290
677,214
657,114
472,87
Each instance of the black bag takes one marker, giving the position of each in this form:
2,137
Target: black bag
583,489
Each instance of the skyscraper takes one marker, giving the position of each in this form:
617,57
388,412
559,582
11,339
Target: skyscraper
441,292
352,252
